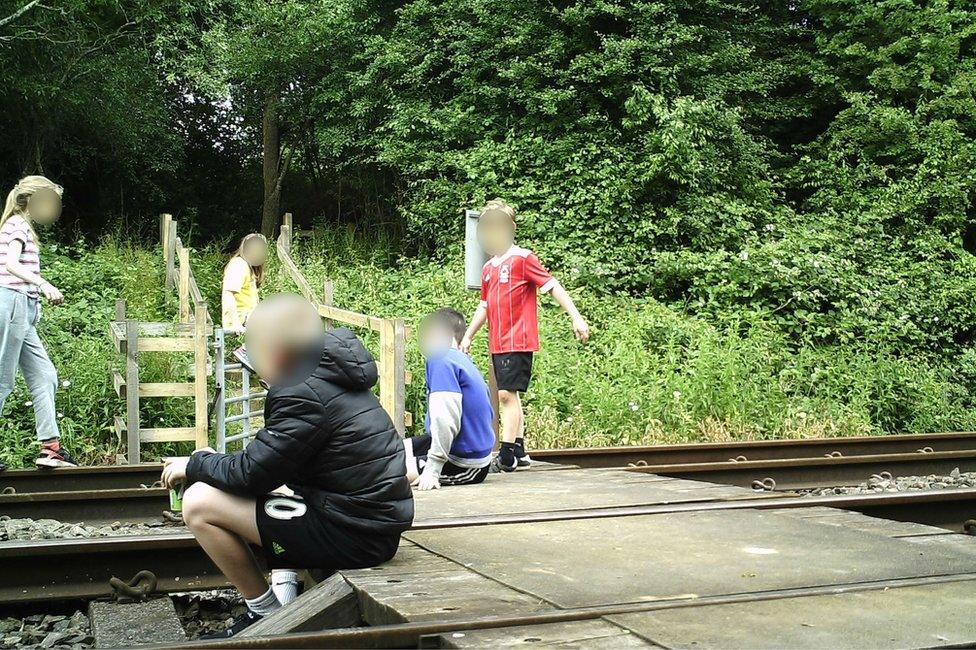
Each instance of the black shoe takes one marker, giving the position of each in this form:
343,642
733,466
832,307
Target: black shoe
244,621
521,457
51,457
498,466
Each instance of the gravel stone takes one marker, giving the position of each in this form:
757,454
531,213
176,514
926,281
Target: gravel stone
37,529
42,631
954,480
207,612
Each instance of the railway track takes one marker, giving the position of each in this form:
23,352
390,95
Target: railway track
101,495
756,450
47,570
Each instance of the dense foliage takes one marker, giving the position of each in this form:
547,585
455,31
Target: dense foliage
780,193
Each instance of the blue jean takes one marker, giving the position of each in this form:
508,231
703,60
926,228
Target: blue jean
21,347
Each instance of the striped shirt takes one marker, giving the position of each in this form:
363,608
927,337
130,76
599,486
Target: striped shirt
16,228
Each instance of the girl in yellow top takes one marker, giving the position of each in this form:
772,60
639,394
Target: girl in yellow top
242,279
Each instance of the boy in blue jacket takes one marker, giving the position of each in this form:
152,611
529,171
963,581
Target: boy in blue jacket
456,450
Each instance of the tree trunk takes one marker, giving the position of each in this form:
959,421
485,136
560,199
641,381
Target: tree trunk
271,166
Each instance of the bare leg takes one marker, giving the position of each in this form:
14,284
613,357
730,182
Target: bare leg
511,416
224,524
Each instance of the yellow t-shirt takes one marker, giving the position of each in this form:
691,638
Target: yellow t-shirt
239,280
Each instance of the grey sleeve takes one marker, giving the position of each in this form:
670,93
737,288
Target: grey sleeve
445,424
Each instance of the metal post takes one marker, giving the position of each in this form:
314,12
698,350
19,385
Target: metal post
220,385
246,404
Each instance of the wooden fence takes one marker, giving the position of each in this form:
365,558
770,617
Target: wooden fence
392,332
190,334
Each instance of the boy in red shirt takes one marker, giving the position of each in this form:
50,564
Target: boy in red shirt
509,282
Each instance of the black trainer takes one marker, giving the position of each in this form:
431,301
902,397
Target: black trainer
244,621
522,458
498,466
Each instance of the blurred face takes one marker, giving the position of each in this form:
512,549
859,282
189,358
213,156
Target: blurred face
435,339
284,339
255,251
44,206
496,232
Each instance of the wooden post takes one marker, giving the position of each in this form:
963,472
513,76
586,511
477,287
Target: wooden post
327,297
164,221
393,344
119,311
286,231
200,374
132,391
171,254
184,286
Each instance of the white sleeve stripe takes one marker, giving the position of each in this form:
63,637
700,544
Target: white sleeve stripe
549,286
483,304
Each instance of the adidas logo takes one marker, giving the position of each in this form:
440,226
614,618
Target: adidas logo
277,548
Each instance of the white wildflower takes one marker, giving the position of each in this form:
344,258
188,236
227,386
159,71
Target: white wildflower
633,406
28,403
65,383
676,394
744,255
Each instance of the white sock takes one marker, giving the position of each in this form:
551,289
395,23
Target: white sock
264,604
284,582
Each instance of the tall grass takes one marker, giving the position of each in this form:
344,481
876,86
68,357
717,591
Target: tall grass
650,373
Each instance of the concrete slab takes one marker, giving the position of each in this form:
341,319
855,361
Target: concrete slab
595,635
547,491
848,519
127,625
582,563
904,617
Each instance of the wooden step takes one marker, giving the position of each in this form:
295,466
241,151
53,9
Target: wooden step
158,434
157,337
160,389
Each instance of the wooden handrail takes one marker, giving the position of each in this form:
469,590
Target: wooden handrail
392,331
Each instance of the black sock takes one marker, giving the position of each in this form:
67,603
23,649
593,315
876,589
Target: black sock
507,453
519,447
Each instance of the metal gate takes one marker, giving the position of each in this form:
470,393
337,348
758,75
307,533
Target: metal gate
226,401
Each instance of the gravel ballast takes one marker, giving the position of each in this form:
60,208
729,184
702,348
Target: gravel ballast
46,631
887,483
37,529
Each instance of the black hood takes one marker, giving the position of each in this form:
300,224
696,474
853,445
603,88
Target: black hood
346,361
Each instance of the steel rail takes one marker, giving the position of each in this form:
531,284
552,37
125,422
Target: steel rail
405,635
41,570
808,473
68,569
146,504
142,505
138,505
103,477
132,476
714,452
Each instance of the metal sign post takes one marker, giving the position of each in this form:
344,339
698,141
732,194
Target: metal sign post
475,259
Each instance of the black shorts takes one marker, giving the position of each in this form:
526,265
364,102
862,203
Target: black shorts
451,474
295,536
513,370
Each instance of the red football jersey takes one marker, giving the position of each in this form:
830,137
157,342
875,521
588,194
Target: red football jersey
508,290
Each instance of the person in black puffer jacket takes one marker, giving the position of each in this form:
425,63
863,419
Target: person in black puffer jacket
327,439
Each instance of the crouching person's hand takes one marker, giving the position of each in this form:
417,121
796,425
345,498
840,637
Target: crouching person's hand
427,481
174,471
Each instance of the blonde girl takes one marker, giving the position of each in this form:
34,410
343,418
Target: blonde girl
34,199
242,280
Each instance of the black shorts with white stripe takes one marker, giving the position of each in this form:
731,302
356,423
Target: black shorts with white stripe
452,474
